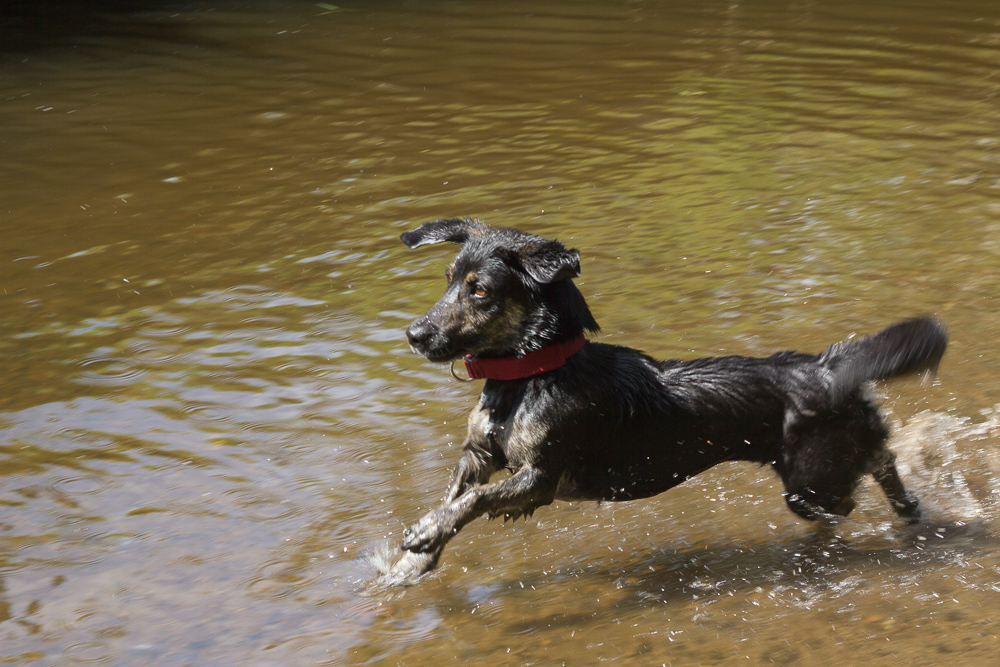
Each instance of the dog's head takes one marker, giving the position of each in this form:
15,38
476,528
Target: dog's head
508,293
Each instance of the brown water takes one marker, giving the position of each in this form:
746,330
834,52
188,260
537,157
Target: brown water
211,425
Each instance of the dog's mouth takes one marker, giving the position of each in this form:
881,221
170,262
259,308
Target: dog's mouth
437,355
436,348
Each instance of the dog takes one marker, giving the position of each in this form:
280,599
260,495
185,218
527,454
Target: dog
575,420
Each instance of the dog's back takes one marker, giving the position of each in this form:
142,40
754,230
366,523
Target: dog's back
807,415
815,383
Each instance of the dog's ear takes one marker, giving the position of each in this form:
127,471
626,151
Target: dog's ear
549,261
456,230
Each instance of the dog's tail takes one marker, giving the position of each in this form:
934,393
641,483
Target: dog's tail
905,347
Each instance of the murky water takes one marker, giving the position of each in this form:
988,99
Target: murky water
210,422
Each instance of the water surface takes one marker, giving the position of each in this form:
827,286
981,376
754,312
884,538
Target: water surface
210,421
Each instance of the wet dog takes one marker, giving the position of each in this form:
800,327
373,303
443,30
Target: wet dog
578,420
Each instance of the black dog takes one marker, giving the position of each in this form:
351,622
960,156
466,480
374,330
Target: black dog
576,420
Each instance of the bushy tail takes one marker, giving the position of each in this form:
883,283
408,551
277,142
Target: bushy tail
905,347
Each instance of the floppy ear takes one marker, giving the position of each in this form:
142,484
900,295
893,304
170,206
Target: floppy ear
456,230
550,261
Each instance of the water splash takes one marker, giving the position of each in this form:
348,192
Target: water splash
389,568
951,464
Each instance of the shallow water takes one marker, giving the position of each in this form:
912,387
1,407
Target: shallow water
211,426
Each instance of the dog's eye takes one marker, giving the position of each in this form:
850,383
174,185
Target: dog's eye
479,291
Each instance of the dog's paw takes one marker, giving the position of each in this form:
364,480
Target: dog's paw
409,569
426,534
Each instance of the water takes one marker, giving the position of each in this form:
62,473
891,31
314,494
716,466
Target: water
211,425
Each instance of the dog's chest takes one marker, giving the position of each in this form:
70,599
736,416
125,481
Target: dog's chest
509,435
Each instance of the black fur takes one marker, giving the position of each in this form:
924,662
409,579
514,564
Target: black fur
616,424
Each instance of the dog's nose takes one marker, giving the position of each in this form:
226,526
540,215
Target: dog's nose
418,333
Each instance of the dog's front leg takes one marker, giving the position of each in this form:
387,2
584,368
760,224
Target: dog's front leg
474,467
525,490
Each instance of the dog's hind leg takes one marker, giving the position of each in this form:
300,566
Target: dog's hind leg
813,506
818,483
827,453
818,478
905,505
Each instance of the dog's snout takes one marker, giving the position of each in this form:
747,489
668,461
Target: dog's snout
427,338
418,333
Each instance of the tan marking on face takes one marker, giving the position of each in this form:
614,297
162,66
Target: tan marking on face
498,332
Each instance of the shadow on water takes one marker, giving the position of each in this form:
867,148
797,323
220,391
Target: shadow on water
822,563
32,25
808,564
701,592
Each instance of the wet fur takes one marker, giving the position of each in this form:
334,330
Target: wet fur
615,424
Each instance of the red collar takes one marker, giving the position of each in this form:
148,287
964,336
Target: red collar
534,363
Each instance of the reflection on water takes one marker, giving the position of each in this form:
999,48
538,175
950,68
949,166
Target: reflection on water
210,422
